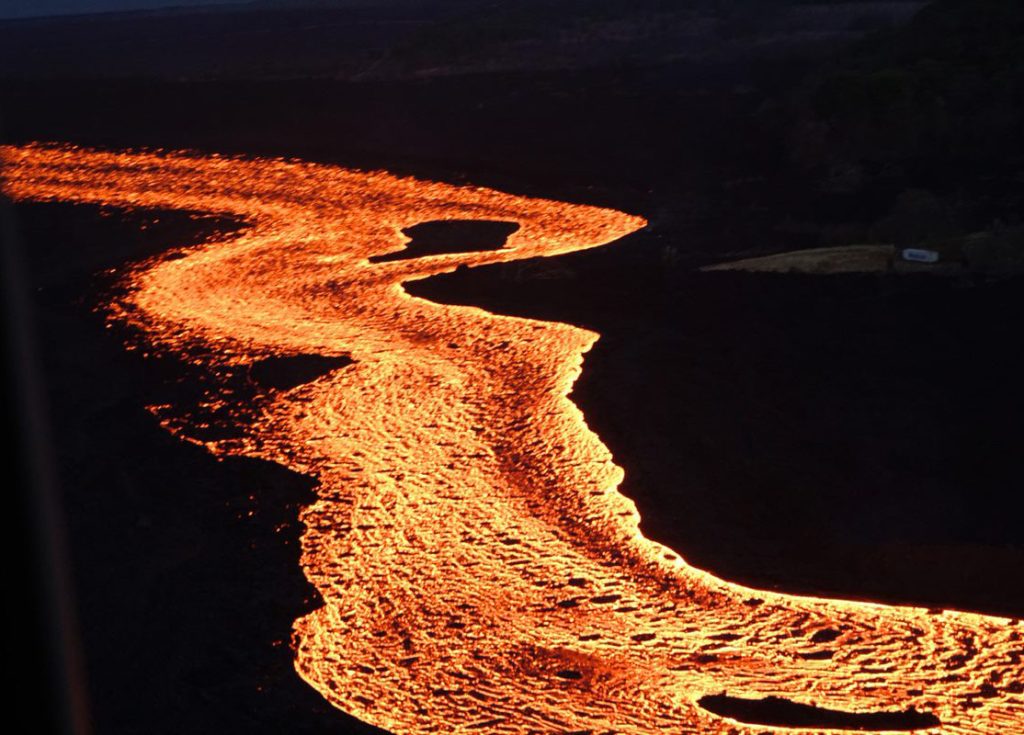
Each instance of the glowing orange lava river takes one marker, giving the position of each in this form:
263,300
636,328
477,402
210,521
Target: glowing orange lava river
479,571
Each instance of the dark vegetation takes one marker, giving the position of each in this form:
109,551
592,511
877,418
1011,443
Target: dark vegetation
856,436
913,136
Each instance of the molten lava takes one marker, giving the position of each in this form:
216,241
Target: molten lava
478,568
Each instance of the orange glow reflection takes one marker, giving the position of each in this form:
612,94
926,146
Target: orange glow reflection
478,567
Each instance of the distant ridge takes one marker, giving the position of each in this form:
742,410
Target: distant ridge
400,39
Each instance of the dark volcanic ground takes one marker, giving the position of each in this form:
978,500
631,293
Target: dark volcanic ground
856,436
186,567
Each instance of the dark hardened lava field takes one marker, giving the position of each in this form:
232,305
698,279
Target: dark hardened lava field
845,435
186,567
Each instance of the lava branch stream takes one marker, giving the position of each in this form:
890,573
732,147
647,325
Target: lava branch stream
479,570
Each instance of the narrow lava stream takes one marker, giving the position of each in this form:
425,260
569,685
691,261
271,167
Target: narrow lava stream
479,570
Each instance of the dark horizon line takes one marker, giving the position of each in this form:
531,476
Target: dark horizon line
33,12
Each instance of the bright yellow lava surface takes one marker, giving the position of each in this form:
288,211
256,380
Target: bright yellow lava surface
479,570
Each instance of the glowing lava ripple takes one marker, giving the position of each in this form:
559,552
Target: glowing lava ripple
478,568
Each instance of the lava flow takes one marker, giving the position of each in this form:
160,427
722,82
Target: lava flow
478,568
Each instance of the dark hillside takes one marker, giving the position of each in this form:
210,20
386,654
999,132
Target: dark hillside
915,134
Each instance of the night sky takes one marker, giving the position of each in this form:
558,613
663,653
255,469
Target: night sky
31,8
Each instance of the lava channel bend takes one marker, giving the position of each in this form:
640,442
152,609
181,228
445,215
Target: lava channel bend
478,568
